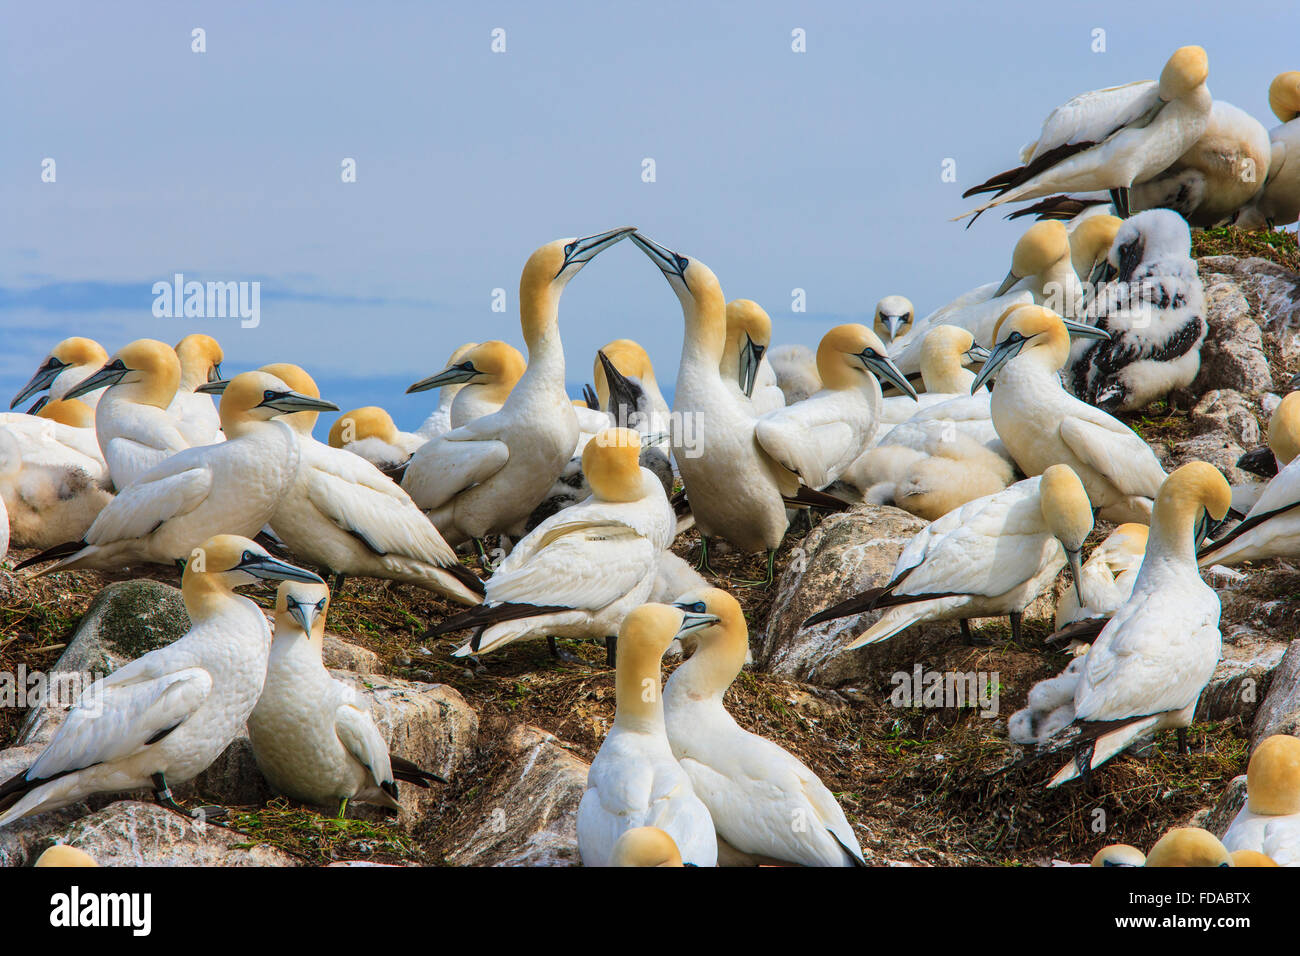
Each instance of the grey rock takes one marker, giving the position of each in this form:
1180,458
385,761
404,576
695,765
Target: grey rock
342,655
1226,411
1219,817
1233,354
1279,713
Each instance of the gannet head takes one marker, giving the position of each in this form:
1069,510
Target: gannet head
643,637
1187,69
261,396
62,855
300,608
1273,777
1090,244
713,620
496,364
611,462
1146,236
894,316
1043,245
201,359
1032,329
645,846
72,352
847,352
619,367
1068,514
1188,846
1119,854
230,561
696,288
1284,95
1284,429
369,421
749,333
68,411
1251,858
303,419
149,365
1191,499
945,350
549,269
1126,542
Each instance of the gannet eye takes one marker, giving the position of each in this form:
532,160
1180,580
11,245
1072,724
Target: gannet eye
568,250
246,557
268,395
320,605
682,263
1014,337
697,608
869,352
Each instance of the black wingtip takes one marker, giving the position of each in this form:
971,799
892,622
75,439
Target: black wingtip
59,551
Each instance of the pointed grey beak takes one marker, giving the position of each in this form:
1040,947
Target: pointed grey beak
304,614
976,353
655,438
455,375
695,621
1076,571
750,357
1085,331
38,404
214,373
886,371
1000,356
288,402
1007,283
670,263
892,324
213,386
43,379
273,569
110,374
581,251
624,397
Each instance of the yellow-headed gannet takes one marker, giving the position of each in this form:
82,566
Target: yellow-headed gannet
68,364
1269,823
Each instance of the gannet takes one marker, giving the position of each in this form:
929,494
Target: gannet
485,374
194,412
945,353
233,486
627,389
1278,204
68,364
370,433
894,317
1188,846
52,479
489,474
990,557
4,520
634,780
795,368
163,718
1146,669
765,802
818,438
1106,578
1251,858
313,736
1269,823
1119,854
62,855
439,420
645,846
743,367
930,468
579,572
342,513
1154,314
1111,139
1268,460
1041,424
1090,243
134,428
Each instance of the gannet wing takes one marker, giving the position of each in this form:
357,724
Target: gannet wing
451,463
587,566
1115,450
813,446
174,487
357,732
1095,116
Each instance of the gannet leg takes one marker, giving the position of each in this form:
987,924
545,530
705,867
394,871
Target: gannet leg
703,566
1182,741
611,650
1119,197
163,794
337,588
484,561
767,579
560,654
1015,617
343,808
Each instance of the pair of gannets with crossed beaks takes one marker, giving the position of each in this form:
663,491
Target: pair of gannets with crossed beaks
69,363
163,718
765,803
634,780
1269,823
744,366
1040,424
489,475
1146,669
990,557
1279,202
579,572
313,736
230,487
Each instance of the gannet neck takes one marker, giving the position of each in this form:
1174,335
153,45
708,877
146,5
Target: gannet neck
1185,73
1191,491
205,593
1065,506
199,355
611,463
297,379
642,639
1273,777
942,351
704,310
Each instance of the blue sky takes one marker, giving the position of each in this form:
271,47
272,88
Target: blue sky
781,170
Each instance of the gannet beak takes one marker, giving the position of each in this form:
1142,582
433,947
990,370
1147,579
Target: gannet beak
43,379
622,393
886,370
1102,273
1130,257
976,353
581,251
1206,528
694,621
1075,561
750,356
892,322
38,404
214,373
273,569
304,614
1085,331
670,263
1007,283
455,375
213,386
656,438
1294,383
288,402
110,374
1000,356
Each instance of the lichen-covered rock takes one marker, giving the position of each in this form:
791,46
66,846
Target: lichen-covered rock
1217,448
345,656
1241,677
1279,713
1233,354
1226,411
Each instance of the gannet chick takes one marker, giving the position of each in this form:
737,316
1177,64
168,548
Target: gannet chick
194,412
51,487
1278,203
579,572
1119,854
1269,823
634,780
743,367
69,363
370,433
955,469
439,420
752,787
821,436
134,428
795,368
313,736
163,718
1111,139
483,374
1041,424
344,514
1049,707
488,476
894,317
627,389
62,855
232,486
1188,846
1147,668
1106,578
645,846
945,353
990,557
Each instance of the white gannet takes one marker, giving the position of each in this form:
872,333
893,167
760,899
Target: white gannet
1041,424
743,367
1268,460
68,364
439,420
4,523
230,487
344,514
634,780
894,317
795,368
1111,139
765,802
930,468
1147,668
579,572
313,736
1106,578
945,353
370,433
1188,846
1154,314
1269,823
1278,204
62,855
645,846
483,375
990,557
195,414
488,475
134,428
1119,854
825,433
163,718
